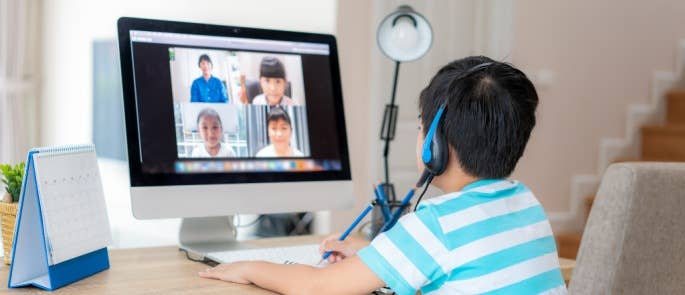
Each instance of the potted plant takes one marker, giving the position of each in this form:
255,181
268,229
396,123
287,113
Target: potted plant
12,177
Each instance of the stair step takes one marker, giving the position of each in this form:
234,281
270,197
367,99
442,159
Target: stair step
568,244
675,106
663,143
589,200
625,160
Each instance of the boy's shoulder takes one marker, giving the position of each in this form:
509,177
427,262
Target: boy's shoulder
480,193
486,229
483,209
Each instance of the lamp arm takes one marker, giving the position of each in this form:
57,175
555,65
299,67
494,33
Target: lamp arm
389,124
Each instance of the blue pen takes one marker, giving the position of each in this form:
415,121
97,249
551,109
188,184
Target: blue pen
349,229
398,212
382,201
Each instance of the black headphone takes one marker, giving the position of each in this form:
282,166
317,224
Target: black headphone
435,152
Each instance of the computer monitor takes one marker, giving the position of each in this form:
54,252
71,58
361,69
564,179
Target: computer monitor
223,120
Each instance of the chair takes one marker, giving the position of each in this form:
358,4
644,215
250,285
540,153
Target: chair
254,88
634,240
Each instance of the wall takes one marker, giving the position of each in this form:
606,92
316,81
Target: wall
354,37
367,82
70,26
590,61
69,29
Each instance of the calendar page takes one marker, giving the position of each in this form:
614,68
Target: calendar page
72,202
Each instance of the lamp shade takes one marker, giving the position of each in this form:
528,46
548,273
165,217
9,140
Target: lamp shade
404,35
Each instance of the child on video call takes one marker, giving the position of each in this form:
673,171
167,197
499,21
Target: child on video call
207,88
485,234
273,82
211,131
280,131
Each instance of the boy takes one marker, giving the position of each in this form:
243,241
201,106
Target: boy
280,129
273,83
207,88
485,235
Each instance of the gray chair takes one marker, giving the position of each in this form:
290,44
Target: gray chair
634,240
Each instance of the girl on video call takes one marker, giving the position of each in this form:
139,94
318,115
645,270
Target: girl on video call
273,82
211,131
279,130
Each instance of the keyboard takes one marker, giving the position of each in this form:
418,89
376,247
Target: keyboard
302,254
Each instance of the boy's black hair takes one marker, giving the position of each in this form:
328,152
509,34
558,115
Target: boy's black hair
278,113
489,117
208,112
204,57
271,67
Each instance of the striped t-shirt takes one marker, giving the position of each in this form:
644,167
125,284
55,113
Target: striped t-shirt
492,237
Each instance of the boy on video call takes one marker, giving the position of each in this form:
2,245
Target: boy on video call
207,88
273,82
279,129
485,234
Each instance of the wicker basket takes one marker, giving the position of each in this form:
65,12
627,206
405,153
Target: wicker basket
8,215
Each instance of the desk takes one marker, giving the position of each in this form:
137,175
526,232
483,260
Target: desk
165,270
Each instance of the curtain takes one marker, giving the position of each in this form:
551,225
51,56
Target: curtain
19,119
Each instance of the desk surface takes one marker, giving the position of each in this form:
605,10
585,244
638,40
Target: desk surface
165,270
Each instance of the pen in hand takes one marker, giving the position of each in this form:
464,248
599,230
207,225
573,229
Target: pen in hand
349,229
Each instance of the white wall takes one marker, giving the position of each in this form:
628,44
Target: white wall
367,83
600,55
353,33
69,28
591,60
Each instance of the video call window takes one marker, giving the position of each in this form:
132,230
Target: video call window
236,104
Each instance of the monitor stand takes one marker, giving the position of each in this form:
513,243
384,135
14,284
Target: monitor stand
201,235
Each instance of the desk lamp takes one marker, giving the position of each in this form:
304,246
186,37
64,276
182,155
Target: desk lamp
404,35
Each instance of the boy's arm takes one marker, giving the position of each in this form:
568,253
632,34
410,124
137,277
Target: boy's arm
350,276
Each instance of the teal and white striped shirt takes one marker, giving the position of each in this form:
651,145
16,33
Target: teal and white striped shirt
492,237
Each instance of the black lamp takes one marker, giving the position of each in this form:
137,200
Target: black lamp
404,35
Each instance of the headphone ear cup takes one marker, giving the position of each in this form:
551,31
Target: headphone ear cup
439,153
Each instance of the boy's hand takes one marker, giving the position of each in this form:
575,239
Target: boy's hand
230,272
341,249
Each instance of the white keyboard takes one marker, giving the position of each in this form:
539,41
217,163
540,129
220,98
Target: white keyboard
303,254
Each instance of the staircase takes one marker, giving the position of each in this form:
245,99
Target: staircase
660,143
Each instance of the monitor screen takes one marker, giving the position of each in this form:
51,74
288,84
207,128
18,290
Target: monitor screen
213,104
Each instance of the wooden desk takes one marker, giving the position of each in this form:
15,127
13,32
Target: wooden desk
165,270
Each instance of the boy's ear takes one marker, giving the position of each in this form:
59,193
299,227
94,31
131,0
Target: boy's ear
439,153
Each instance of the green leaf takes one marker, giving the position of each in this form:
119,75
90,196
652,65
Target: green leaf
12,177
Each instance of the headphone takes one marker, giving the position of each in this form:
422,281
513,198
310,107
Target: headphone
435,151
